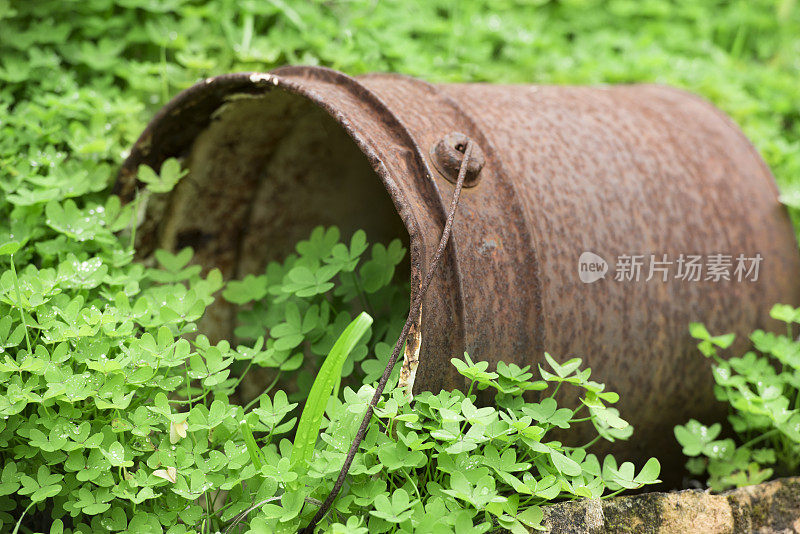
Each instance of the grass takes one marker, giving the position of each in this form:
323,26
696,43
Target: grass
78,80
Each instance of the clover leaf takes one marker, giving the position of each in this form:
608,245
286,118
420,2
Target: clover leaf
396,510
165,180
44,486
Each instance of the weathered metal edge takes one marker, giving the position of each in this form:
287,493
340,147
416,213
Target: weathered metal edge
173,129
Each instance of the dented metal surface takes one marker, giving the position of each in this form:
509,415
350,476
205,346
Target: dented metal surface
620,170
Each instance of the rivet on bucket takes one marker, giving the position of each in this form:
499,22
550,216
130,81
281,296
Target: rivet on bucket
448,153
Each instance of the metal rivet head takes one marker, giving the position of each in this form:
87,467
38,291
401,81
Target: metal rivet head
448,153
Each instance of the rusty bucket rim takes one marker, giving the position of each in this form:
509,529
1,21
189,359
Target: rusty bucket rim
291,78
259,83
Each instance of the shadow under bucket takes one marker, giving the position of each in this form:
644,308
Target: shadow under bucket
617,171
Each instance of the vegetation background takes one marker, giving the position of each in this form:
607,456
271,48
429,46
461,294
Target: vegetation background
80,78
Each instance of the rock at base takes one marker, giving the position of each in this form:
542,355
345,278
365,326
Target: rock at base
764,508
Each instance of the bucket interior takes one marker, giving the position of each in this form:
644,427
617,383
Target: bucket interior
266,171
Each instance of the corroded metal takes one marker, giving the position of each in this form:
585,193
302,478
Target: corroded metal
617,170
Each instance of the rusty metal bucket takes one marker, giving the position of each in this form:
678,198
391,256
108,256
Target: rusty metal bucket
617,171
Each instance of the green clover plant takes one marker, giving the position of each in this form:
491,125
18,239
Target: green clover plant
763,391
118,414
443,464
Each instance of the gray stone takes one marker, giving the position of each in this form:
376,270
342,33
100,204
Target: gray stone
765,508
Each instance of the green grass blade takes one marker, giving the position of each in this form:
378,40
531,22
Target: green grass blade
322,389
252,446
